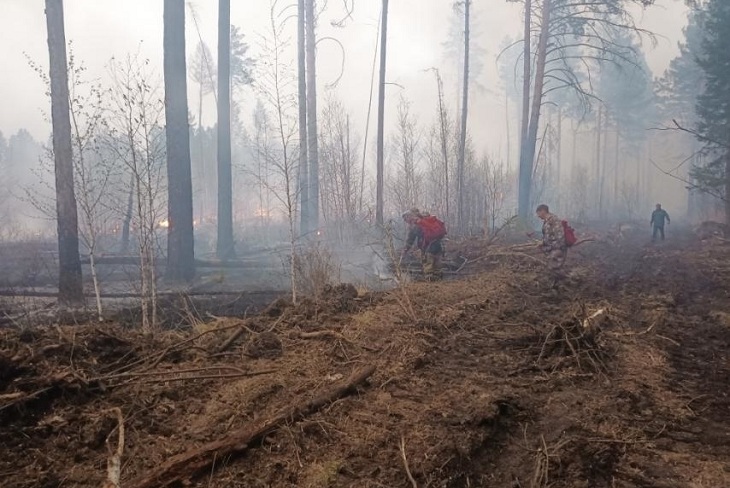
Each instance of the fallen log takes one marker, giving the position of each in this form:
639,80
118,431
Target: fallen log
185,465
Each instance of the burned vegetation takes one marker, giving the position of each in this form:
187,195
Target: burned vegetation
618,379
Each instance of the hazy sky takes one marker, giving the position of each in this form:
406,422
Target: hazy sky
101,29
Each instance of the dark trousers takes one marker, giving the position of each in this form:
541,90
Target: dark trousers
657,230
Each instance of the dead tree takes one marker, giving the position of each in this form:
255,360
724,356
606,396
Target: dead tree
225,245
527,156
464,112
180,245
136,140
70,289
444,129
405,181
340,184
381,117
312,142
274,84
566,54
201,73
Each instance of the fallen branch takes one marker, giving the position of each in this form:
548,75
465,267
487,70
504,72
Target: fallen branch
187,464
16,399
242,328
237,372
204,377
320,334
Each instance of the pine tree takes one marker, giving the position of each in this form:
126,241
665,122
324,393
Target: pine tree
180,246
70,289
713,103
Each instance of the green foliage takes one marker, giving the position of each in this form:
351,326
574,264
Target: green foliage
713,103
677,90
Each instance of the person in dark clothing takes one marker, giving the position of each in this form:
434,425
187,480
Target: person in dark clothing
431,252
658,217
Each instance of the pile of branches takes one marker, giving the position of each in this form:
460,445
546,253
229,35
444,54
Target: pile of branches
577,343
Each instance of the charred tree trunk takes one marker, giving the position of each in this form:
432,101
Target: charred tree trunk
311,89
525,170
302,82
528,156
464,107
225,246
180,245
70,289
381,117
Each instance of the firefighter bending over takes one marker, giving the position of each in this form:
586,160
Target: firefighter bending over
426,232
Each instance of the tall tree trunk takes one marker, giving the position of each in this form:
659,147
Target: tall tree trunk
507,126
525,170
603,150
559,154
180,245
527,161
444,141
225,248
574,151
302,79
617,167
70,289
311,88
381,117
727,189
599,132
464,112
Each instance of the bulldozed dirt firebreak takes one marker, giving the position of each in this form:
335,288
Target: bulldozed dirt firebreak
619,378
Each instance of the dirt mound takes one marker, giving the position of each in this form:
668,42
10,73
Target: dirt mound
615,380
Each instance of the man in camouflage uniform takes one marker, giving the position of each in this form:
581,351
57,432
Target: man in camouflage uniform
553,242
430,252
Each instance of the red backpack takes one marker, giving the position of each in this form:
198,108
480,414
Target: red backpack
569,232
433,229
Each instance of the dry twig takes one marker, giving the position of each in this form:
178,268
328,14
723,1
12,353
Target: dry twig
114,461
405,462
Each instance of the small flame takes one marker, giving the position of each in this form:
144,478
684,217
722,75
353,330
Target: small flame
164,223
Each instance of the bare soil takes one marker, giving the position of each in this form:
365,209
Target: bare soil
493,380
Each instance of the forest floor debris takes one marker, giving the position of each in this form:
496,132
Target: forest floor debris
618,379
